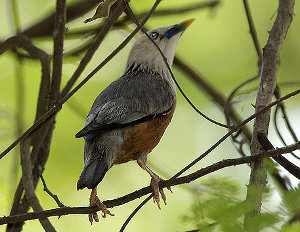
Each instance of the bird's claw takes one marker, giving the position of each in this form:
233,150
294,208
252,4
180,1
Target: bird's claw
95,202
157,191
93,217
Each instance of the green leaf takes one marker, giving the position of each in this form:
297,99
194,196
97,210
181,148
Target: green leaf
220,207
102,10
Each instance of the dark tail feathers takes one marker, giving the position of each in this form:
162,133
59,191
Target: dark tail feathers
92,174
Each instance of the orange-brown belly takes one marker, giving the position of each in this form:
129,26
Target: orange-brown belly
143,137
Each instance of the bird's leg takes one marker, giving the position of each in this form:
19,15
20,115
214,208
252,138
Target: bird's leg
95,202
155,179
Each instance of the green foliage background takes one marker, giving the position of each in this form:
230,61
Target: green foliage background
219,46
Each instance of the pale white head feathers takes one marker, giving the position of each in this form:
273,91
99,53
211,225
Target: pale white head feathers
144,53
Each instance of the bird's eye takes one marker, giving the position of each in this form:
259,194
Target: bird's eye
154,35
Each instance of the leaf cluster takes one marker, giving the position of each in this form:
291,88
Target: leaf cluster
218,207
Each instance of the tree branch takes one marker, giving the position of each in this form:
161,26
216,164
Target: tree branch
267,145
146,190
28,185
20,88
42,105
264,97
52,195
58,41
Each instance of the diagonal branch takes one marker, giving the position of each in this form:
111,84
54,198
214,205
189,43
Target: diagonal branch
51,194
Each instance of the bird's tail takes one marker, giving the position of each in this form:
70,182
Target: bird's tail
93,172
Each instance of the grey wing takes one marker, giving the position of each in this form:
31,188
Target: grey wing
127,100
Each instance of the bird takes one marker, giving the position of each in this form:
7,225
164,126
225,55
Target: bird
129,117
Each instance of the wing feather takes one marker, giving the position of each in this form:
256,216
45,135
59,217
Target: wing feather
129,100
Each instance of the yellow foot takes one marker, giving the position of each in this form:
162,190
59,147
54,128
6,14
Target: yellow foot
95,202
157,191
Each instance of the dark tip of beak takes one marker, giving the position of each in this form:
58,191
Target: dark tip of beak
177,28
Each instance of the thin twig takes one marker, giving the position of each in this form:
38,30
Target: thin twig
204,86
228,105
52,195
277,130
134,212
277,91
253,31
285,116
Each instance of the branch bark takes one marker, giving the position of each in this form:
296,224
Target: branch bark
29,187
58,48
42,139
258,177
42,105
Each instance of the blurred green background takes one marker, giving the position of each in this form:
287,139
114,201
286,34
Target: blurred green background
217,44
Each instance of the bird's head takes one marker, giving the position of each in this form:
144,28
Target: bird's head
144,54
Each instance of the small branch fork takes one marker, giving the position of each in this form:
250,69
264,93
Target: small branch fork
139,193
